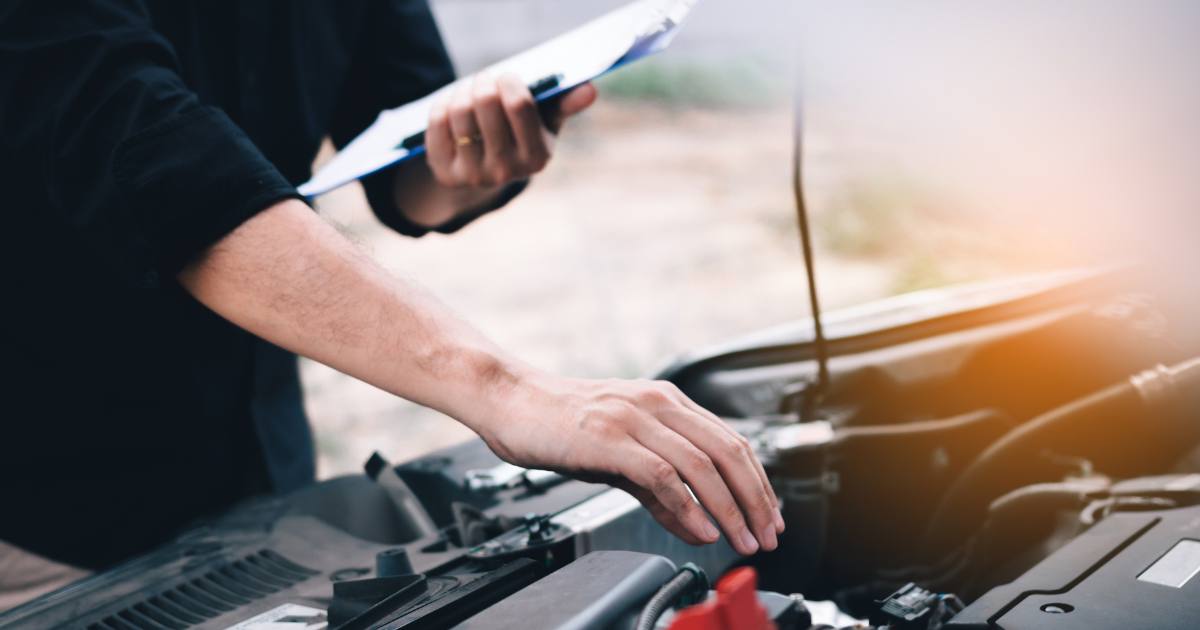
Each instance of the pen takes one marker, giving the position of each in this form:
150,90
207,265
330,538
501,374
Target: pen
538,88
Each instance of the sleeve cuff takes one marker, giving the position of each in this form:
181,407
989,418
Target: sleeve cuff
191,180
378,187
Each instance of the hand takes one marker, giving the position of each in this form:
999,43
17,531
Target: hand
649,439
487,132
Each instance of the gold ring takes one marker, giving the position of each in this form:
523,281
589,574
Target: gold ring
466,141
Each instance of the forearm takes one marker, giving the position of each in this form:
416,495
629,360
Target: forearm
288,277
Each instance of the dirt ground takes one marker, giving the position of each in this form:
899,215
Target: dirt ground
654,231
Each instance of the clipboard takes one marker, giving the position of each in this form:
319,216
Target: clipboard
632,32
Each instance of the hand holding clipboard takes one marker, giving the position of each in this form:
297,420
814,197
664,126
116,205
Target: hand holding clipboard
630,33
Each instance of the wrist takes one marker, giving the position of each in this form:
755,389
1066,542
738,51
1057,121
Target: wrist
498,385
429,204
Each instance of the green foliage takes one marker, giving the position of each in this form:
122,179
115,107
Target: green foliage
725,84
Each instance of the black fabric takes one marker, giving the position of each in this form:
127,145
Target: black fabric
134,135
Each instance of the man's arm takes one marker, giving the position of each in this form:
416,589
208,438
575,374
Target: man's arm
287,277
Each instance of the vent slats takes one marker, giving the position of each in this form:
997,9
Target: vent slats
215,586
267,565
159,616
210,595
234,580
262,576
193,592
193,605
140,621
103,625
175,611
288,565
119,624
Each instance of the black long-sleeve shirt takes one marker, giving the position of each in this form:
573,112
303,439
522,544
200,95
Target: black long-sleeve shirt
134,134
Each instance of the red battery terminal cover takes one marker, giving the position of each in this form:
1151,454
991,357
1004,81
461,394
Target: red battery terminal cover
735,607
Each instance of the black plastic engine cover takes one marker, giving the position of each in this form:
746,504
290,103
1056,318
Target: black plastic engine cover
1132,570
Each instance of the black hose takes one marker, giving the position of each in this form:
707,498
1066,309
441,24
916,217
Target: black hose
690,579
1111,424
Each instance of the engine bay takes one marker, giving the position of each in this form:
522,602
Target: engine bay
1020,454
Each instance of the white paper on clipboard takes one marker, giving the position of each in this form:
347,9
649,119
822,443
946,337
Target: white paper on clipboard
625,35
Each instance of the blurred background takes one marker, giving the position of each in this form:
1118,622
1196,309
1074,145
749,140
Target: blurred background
945,142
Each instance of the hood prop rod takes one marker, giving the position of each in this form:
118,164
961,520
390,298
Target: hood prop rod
814,392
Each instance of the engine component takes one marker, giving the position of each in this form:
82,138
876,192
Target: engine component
506,476
736,605
476,527
687,587
1147,418
413,515
915,607
1132,570
849,476
595,591
259,565
283,558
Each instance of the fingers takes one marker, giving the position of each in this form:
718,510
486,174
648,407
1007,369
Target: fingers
698,470
532,141
573,103
762,473
439,140
578,99
651,438
738,465
468,145
770,490
487,132
665,517
498,140
730,453
659,479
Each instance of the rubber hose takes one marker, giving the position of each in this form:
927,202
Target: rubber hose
1109,421
665,597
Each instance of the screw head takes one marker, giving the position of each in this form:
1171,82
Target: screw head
1057,608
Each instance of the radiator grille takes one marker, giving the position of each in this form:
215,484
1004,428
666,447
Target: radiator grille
210,595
